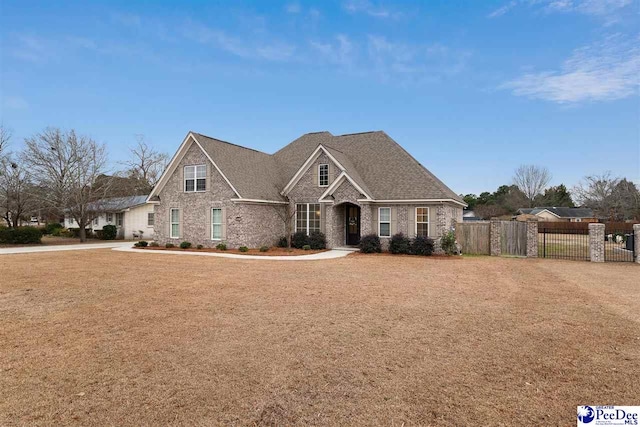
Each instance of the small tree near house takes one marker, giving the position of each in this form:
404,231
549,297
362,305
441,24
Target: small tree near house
286,213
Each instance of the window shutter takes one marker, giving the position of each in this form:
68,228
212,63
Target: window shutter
181,182
316,170
374,219
394,220
210,222
224,224
169,225
181,227
412,222
323,218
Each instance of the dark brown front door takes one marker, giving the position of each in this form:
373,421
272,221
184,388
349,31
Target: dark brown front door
353,224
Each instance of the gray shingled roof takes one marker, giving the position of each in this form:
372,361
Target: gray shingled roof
372,159
116,204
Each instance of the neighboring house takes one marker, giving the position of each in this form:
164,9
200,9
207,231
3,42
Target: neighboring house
558,214
345,186
470,216
132,215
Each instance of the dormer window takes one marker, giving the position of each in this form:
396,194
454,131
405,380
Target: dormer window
195,178
323,175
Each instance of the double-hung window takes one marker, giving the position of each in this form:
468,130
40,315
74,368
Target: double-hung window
384,222
216,224
175,223
195,178
119,219
308,217
323,175
150,219
422,222
109,218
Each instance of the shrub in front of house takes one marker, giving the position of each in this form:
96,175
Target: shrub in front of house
154,245
370,244
422,245
299,239
243,249
306,248
75,232
221,246
448,243
399,244
264,248
52,227
109,232
282,242
169,245
317,240
20,235
199,247
143,243
185,245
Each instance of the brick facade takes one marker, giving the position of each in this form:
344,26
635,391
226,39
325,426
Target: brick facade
596,242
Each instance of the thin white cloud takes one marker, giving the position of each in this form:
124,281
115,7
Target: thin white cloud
293,7
368,8
503,9
603,71
339,51
15,103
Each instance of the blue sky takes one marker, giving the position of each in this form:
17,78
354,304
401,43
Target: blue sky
471,89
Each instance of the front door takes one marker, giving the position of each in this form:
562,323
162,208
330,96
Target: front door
353,225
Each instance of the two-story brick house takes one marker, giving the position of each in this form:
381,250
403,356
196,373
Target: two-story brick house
346,186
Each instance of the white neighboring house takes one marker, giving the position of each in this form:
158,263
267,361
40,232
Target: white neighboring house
133,216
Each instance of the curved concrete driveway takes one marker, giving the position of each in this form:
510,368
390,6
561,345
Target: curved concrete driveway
311,257
56,248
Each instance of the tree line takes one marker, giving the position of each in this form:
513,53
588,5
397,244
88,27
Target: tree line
611,198
61,173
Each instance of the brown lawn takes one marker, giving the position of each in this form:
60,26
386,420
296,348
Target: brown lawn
110,338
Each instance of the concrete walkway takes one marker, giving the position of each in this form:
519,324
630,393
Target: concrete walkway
311,257
57,248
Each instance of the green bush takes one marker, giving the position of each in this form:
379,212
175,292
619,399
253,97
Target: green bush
75,232
221,246
317,240
169,245
370,244
185,245
264,248
306,247
422,246
243,249
282,242
57,232
109,232
20,235
299,239
399,244
143,243
154,245
199,247
448,243
52,227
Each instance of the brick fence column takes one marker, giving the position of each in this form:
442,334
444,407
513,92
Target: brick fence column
532,239
495,238
596,242
636,232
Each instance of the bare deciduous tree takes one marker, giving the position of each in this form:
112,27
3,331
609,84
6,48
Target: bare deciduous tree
610,197
531,180
5,137
286,212
17,197
67,166
146,164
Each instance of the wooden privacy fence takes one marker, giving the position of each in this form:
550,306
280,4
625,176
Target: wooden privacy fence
474,237
513,238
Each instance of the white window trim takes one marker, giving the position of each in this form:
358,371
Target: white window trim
171,223
308,217
319,167
385,222
154,219
109,215
428,220
195,178
212,224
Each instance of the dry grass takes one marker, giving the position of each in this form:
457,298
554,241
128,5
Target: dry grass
108,338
